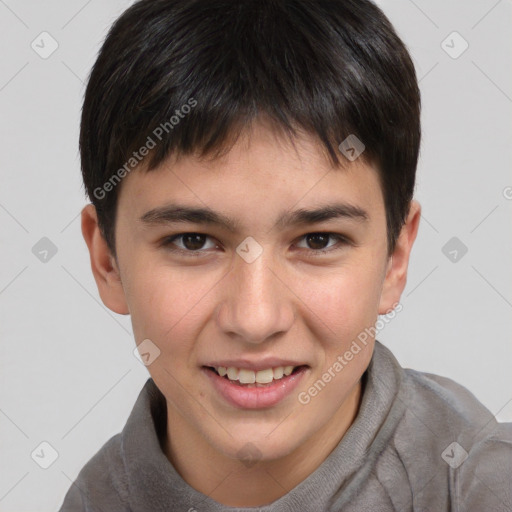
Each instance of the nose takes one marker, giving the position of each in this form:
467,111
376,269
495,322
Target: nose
257,304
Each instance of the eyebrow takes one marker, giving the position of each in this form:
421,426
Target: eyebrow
203,215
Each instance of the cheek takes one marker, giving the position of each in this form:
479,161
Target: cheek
342,303
167,304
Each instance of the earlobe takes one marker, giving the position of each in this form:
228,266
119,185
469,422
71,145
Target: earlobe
398,264
103,263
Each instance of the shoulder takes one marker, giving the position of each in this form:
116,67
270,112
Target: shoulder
102,482
447,431
105,482
445,404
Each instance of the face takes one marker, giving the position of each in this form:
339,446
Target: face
254,279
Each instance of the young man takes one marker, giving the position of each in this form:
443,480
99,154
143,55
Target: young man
251,166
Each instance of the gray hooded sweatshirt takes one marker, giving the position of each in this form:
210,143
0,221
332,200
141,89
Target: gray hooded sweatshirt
420,443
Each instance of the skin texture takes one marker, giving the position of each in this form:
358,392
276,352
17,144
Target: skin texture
289,303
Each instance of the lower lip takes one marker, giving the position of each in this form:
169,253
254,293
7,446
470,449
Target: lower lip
255,398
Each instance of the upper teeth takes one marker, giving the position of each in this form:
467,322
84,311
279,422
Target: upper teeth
250,377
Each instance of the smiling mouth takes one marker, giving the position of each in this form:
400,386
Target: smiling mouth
251,379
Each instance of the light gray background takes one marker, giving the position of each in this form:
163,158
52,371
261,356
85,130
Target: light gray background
68,374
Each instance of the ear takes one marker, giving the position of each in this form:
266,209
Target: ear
398,263
103,264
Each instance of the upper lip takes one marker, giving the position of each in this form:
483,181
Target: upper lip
261,364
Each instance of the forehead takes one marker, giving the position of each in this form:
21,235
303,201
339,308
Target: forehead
263,173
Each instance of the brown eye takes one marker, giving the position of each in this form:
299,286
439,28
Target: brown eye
189,243
317,241
193,241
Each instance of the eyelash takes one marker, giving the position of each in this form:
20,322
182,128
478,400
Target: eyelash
168,241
